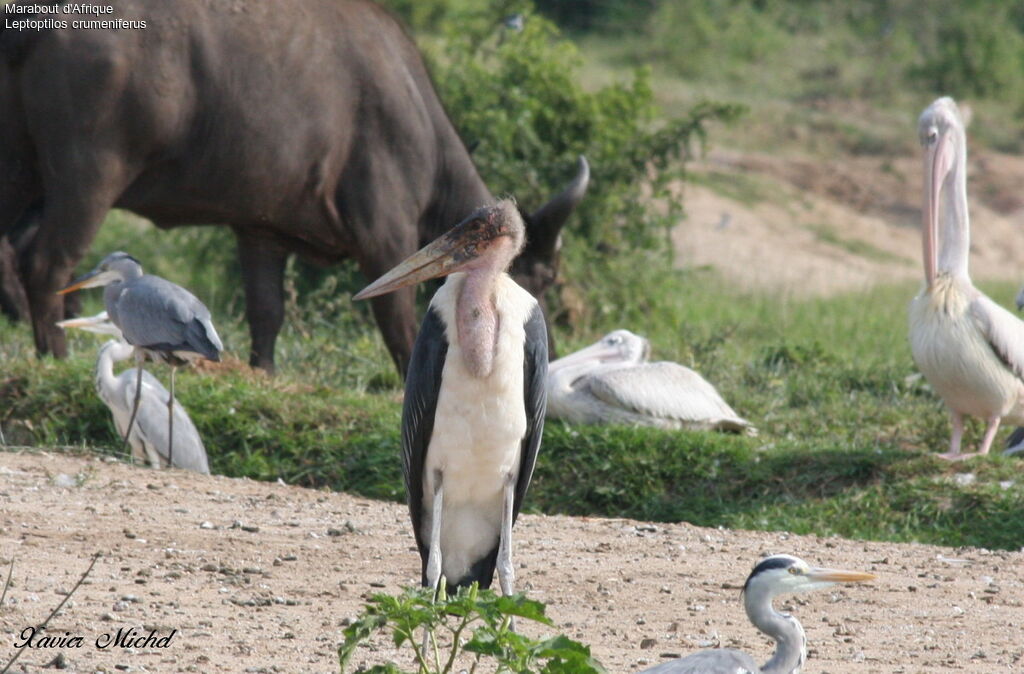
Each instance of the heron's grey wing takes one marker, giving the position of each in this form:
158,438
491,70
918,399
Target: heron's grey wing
535,395
1003,331
151,425
422,386
153,312
720,661
663,389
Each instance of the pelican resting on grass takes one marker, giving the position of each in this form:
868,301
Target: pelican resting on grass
969,348
772,576
162,320
474,399
612,382
149,441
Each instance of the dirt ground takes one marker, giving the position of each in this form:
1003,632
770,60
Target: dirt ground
817,227
259,577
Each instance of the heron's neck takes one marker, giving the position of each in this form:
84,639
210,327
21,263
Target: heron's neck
790,641
110,353
954,221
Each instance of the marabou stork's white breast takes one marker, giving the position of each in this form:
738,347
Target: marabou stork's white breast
954,355
479,425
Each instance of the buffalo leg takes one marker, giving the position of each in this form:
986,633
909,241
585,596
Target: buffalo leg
395,313
13,301
263,262
72,213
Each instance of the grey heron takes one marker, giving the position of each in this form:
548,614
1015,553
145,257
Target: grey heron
149,439
772,576
474,399
970,349
612,382
162,320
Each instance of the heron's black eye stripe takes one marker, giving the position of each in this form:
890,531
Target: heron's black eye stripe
772,563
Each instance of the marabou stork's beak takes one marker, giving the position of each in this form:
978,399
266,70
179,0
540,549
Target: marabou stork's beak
462,246
93,279
938,162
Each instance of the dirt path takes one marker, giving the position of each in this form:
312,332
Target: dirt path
817,227
260,577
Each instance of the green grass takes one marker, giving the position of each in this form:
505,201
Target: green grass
828,234
847,428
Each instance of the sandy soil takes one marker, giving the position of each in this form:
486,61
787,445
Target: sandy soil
261,577
817,227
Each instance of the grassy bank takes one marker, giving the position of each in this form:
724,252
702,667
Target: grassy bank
847,426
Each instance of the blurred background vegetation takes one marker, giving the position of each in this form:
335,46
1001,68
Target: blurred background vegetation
638,86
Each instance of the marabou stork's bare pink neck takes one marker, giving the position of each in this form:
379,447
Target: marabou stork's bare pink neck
477,315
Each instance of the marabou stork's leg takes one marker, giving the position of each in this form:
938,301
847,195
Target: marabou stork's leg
990,434
506,572
139,358
434,554
170,422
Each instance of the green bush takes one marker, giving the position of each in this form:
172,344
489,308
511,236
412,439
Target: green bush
977,49
516,99
472,626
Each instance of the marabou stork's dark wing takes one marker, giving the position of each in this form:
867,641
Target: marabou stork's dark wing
155,313
535,397
422,385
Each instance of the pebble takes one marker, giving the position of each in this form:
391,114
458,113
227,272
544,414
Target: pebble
64,480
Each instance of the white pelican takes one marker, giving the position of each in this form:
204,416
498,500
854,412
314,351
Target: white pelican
162,320
149,441
969,348
611,382
474,399
771,577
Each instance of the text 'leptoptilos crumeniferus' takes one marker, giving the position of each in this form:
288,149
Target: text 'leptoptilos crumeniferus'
474,399
969,348
149,439
162,320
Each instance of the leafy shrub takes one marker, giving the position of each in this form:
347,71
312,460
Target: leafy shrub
516,99
448,620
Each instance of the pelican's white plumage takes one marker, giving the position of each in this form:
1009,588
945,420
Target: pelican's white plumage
969,348
611,382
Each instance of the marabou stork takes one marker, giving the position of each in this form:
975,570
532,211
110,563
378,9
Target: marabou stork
162,320
969,348
474,399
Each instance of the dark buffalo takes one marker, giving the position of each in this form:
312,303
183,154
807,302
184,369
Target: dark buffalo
307,126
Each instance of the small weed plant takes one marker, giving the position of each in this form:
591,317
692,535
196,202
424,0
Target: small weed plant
466,631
